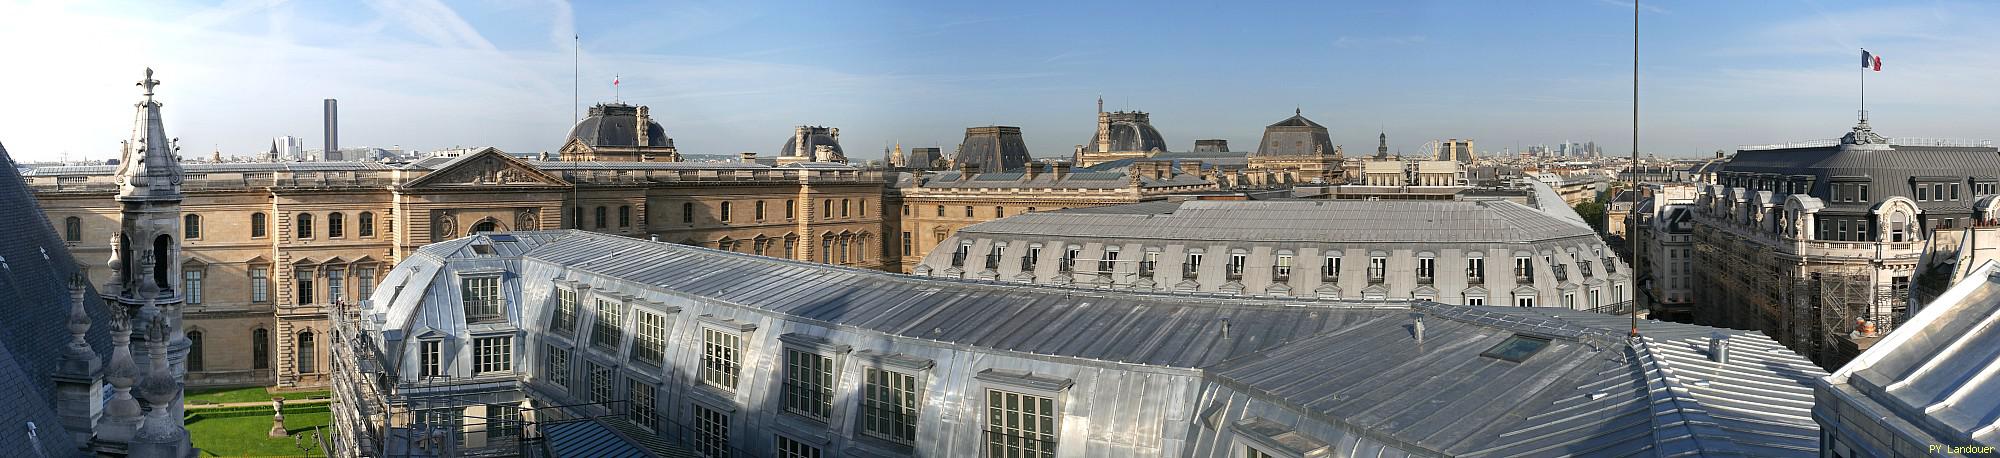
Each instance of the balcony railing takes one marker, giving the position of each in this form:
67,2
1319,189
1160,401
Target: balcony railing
1561,271
1235,272
1281,273
1614,308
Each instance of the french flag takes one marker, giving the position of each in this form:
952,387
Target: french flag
1871,60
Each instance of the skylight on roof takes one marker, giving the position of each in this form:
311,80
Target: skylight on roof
482,248
1517,348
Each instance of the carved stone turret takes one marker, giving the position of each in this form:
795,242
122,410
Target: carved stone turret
161,434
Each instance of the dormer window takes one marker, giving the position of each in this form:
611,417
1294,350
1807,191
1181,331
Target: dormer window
481,296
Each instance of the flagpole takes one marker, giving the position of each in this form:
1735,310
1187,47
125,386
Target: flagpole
576,78
1864,86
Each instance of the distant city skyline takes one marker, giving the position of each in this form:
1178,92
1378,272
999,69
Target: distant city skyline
729,78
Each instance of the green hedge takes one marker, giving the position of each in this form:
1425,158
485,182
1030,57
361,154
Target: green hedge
194,415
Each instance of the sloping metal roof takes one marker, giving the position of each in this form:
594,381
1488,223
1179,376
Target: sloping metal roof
220,167
1066,180
1934,373
1352,363
1301,221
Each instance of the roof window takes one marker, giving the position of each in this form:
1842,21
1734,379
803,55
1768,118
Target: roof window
1517,348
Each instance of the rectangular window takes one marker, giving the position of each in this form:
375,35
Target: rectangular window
336,285
999,212
1475,300
940,211
711,429
600,384
651,345
788,448
1236,263
304,286
564,321
1253,452
609,328
364,279
1954,191
1020,425
1110,260
1864,192
556,365
432,354
191,286
641,409
482,297
1524,301
1283,269
1524,267
503,421
721,358
1937,191
1331,268
908,246
492,354
1426,268
1843,230
968,211
624,216
1378,268
1923,193
1475,269
808,384
260,284
889,405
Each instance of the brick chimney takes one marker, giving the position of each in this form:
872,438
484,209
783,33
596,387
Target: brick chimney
1059,170
1191,168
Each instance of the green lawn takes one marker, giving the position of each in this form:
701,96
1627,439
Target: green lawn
250,436
249,394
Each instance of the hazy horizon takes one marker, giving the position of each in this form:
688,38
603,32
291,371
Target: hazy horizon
726,78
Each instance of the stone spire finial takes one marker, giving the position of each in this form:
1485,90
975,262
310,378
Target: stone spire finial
149,83
79,322
162,434
121,414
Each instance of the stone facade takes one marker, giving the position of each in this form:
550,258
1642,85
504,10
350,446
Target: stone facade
935,206
264,292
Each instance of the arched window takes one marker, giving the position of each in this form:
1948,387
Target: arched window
759,215
190,227
73,229
687,212
258,224
791,209
162,253
336,225
260,349
826,208
484,226
624,216
194,351
365,224
305,225
843,208
304,353
601,219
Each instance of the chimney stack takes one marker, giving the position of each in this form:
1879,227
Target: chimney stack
1031,170
1059,169
748,157
1718,347
965,172
1417,326
1190,168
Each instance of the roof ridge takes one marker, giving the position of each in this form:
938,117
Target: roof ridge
1687,420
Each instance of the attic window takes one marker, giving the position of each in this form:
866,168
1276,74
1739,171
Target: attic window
1517,348
482,248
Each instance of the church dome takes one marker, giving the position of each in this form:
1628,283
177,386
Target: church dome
615,124
1129,131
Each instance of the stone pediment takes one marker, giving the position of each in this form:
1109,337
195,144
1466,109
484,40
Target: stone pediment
488,167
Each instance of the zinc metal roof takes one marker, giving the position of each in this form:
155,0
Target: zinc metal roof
220,167
1935,371
1357,221
35,269
1352,363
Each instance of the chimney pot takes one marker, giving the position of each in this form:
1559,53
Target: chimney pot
1718,347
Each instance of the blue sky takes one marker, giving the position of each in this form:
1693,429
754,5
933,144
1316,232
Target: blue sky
725,77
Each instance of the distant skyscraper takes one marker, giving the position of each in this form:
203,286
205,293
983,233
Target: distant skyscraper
332,119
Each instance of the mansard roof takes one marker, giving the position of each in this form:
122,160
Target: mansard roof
35,269
1357,364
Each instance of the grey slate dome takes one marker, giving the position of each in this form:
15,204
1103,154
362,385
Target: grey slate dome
1129,131
814,137
612,124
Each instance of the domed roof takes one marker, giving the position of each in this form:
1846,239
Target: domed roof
1295,136
814,136
613,124
1129,131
